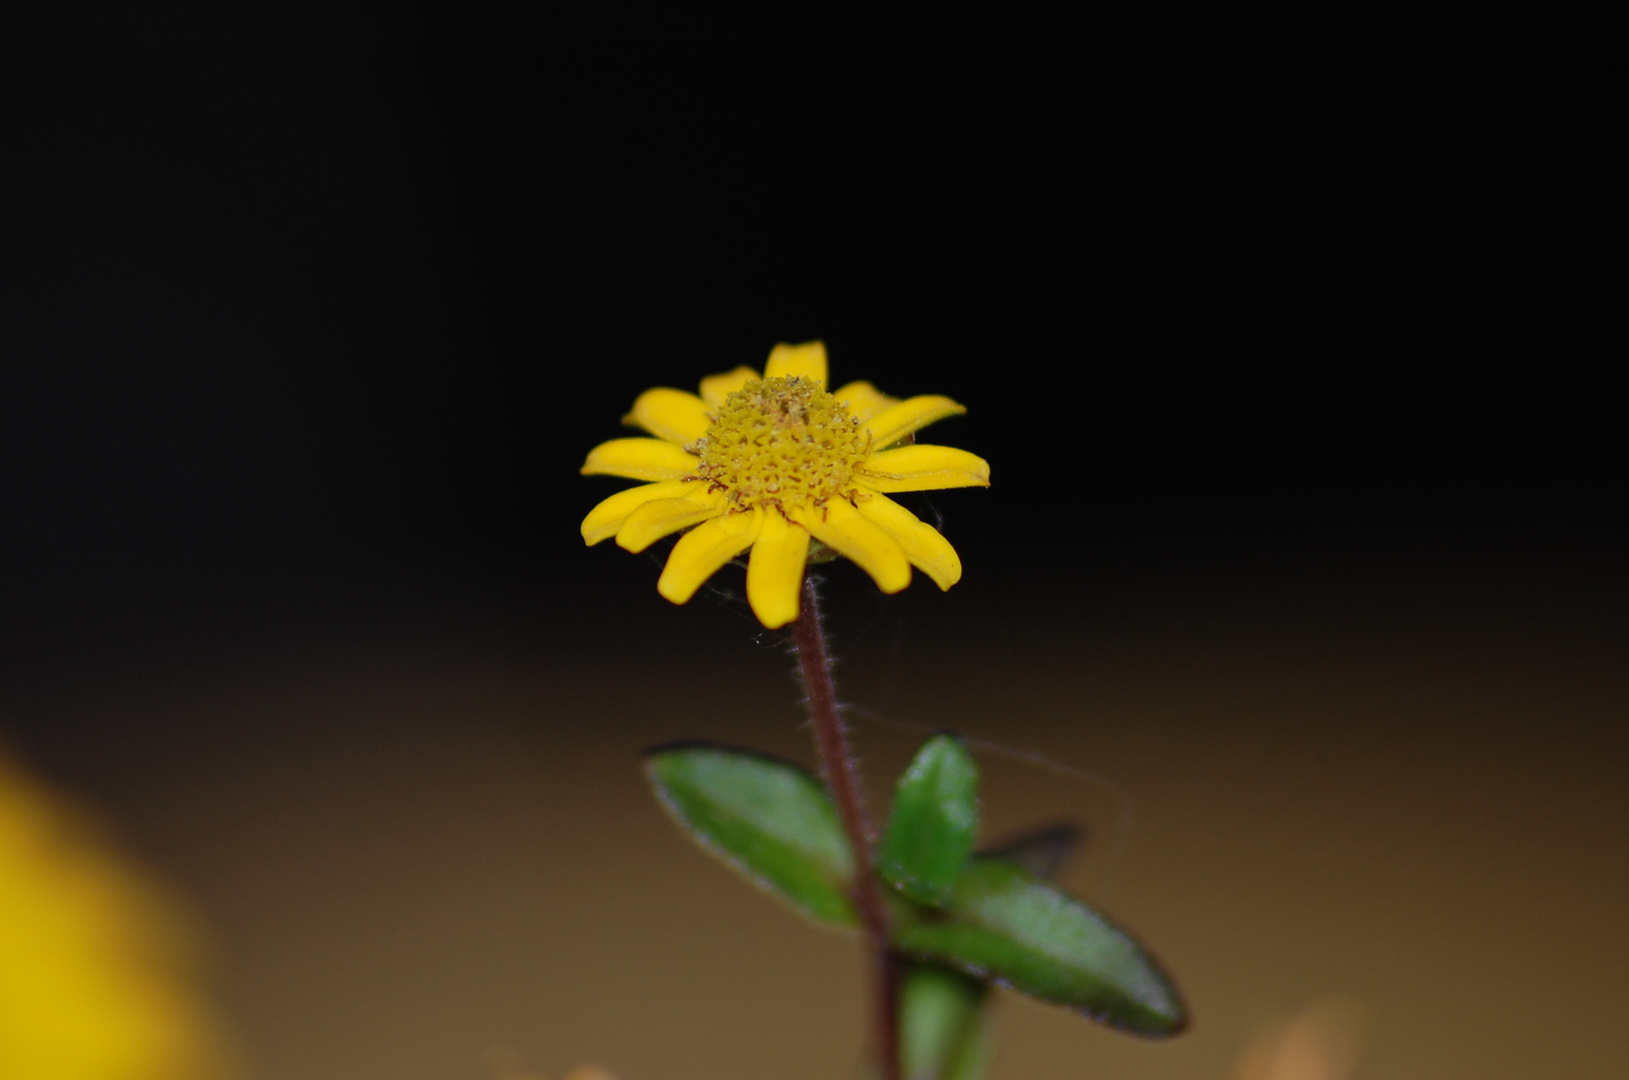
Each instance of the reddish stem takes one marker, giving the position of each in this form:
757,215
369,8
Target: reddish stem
837,762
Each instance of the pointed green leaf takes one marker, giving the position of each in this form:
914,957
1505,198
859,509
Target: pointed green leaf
945,1030
934,820
1002,924
769,819
1042,852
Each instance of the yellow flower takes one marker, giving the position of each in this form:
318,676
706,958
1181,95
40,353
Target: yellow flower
93,972
770,462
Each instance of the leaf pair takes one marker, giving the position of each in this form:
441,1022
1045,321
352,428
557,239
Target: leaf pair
985,916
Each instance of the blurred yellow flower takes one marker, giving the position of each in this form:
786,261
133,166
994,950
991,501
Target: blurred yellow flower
589,1072
508,1067
91,985
1322,1042
770,462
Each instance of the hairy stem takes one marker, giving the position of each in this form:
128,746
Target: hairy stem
837,762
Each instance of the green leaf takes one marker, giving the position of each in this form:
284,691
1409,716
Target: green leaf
770,820
1002,924
1042,852
945,1029
934,820
973,1057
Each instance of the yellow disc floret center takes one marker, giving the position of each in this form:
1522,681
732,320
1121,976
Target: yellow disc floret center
779,443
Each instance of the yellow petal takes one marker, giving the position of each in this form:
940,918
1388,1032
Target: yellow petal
701,551
806,361
669,414
863,400
605,519
923,468
922,544
640,459
715,388
840,527
661,517
913,414
775,572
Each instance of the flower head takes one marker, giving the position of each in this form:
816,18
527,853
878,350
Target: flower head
771,462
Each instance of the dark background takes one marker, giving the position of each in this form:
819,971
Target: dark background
309,318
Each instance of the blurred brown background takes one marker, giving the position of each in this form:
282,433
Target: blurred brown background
1301,528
